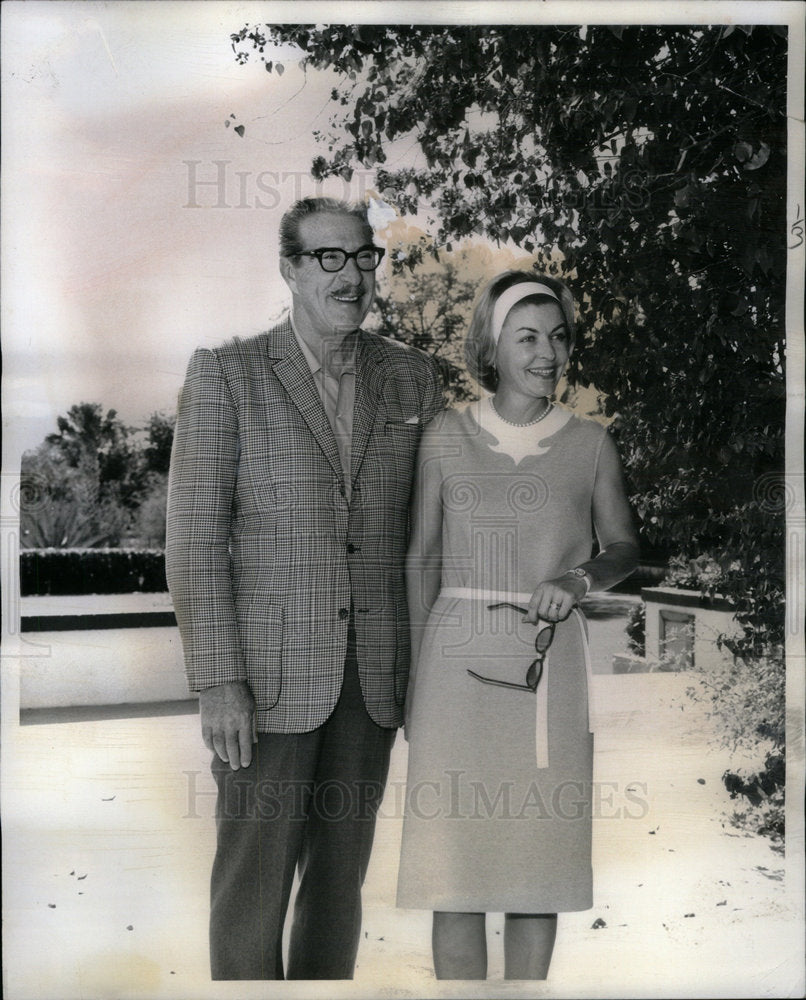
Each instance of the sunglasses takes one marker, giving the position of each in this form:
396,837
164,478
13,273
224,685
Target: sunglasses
534,671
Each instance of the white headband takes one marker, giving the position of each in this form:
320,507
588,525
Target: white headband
513,295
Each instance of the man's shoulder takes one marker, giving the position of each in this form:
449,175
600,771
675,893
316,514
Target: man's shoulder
395,351
244,349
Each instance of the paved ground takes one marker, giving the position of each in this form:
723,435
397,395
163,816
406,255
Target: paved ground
108,839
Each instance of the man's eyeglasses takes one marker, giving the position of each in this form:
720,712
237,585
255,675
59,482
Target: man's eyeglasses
535,670
331,259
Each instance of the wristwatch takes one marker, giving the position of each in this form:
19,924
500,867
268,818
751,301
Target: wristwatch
582,574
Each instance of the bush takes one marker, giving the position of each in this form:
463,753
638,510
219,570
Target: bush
747,694
636,629
754,587
91,571
150,519
62,506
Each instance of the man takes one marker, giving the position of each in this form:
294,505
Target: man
287,528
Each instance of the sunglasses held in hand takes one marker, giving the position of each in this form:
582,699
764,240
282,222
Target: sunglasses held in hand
534,672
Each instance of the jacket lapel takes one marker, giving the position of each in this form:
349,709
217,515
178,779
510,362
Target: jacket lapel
293,373
370,379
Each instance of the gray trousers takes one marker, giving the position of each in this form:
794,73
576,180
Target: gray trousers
307,800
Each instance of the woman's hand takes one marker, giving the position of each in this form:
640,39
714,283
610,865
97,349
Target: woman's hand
553,600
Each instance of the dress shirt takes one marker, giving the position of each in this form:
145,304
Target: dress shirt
333,372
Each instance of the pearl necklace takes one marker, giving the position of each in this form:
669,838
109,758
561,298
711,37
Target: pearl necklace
530,423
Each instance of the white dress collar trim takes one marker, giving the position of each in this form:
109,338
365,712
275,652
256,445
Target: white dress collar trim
518,442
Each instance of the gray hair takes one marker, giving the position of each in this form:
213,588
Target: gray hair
290,242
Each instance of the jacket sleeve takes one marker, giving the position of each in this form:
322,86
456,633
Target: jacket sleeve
433,395
204,465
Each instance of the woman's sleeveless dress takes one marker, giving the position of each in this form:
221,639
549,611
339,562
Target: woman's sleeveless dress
499,791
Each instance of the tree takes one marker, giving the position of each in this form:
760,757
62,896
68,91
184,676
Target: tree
155,456
151,517
160,436
100,445
647,165
430,307
61,506
85,485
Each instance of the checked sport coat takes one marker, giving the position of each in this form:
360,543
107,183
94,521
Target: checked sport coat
265,555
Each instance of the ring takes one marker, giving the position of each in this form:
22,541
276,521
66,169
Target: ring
554,604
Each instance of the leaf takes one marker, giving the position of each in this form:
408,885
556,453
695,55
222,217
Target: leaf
759,158
280,68
742,151
682,197
688,218
240,130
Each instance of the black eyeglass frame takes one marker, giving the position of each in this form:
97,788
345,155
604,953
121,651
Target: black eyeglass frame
319,253
535,669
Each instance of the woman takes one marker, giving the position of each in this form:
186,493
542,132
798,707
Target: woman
498,813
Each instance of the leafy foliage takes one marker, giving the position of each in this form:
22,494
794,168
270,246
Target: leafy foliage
62,506
99,445
636,629
748,697
94,481
150,519
160,435
429,307
647,164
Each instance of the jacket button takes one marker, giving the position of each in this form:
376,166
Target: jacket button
343,613
353,548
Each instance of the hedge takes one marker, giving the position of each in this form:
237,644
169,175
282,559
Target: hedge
126,571
91,571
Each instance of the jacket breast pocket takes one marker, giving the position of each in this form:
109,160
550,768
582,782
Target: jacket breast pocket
260,628
403,428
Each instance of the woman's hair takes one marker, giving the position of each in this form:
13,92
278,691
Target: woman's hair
480,344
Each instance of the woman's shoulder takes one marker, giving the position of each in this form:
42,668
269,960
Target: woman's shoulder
450,421
449,433
588,427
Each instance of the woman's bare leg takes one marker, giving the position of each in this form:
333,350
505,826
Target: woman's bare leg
459,943
528,944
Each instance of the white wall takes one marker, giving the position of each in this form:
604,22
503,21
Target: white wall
103,667
708,624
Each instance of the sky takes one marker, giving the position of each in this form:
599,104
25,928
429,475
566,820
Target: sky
137,226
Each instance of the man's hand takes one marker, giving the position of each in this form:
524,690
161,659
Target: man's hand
227,721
